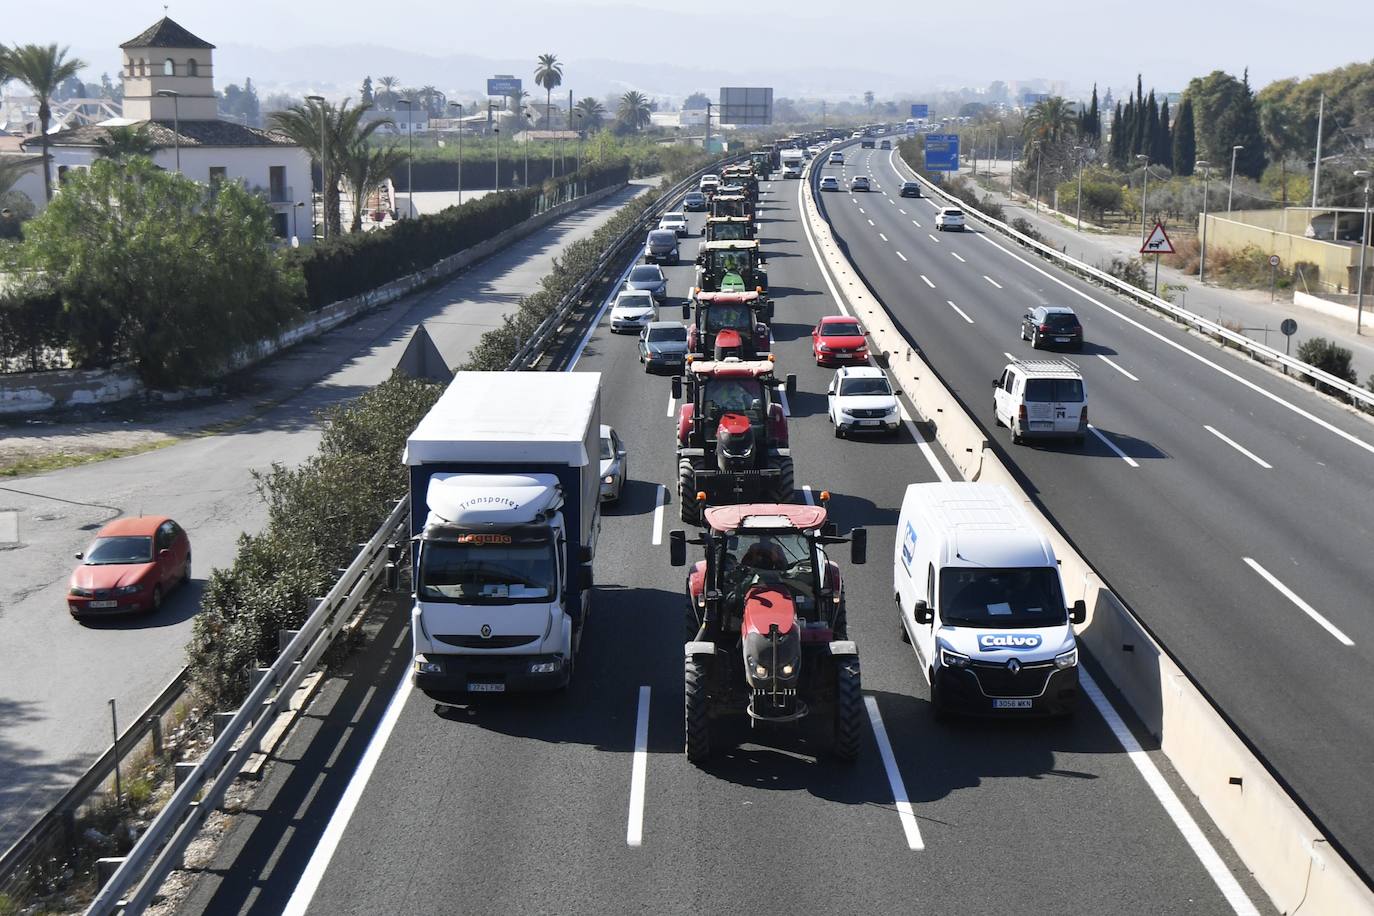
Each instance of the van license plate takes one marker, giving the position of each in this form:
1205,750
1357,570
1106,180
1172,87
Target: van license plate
1011,704
104,604
485,687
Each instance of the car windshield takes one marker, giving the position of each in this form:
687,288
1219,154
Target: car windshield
660,238
862,386
607,450
728,316
675,217
840,329
673,333
634,301
908,185
645,273
1011,598
107,551
488,569
1054,389
733,394
1061,321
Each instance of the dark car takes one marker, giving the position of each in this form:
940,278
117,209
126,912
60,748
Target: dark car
663,346
1052,326
649,278
130,566
911,189
866,143
886,144
694,201
660,247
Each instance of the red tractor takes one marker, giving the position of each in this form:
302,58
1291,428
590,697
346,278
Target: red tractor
766,630
729,324
732,442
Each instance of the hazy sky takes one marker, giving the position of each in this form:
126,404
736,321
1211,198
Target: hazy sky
886,45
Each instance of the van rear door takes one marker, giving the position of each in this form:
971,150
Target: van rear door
1053,405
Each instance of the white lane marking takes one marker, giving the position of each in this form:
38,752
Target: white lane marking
927,279
901,211
1238,447
870,222
1009,357
916,224
992,281
1113,446
923,444
933,238
894,777
1168,799
659,500
962,313
634,832
881,236
1305,414
902,256
1117,368
861,209
806,495
338,821
889,199
958,258
1302,605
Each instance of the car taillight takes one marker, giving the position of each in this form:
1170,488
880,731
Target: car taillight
1044,329
1083,417
1021,413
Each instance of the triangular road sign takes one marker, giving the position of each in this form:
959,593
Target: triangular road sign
1158,242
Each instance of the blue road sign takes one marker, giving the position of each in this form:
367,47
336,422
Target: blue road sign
920,111
503,86
942,152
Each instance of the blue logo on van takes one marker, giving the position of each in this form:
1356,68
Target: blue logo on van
908,546
994,641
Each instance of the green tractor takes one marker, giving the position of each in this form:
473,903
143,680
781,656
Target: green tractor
728,229
731,266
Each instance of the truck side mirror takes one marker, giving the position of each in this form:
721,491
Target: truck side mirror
858,546
791,385
677,387
1079,612
686,310
584,577
997,383
677,547
922,612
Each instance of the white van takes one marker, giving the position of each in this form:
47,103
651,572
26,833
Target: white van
980,599
1037,398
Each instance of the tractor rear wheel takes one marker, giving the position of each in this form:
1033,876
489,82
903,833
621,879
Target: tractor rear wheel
786,481
687,492
849,704
698,708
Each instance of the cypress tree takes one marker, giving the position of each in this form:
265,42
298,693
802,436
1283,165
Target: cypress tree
1151,131
1164,148
1185,139
1093,133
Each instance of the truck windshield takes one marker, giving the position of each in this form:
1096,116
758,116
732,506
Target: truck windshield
1012,598
488,569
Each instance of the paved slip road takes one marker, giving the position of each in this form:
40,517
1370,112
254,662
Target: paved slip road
56,675
1228,506
522,804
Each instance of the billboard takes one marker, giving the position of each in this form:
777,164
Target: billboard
920,112
746,105
503,85
942,152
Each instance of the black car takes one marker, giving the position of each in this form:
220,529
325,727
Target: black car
1052,325
911,189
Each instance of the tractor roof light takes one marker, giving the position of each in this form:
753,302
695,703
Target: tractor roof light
825,497
701,496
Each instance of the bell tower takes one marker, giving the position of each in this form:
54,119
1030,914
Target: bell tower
167,57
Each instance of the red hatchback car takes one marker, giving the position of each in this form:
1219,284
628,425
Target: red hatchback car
839,341
130,566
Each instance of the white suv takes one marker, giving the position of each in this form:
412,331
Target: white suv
861,399
949,218
1041,398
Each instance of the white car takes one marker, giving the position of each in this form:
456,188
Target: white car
858,183
837,158
861,400
709,183
949,218
830,183
633,310
1040,398
615,466
674,221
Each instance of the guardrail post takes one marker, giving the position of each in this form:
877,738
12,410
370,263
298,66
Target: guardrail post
284,637
181,770
155,734
220,722
106,867
255,676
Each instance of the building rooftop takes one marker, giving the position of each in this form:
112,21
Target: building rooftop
166,34
192,134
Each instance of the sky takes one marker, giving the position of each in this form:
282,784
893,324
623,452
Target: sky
800,47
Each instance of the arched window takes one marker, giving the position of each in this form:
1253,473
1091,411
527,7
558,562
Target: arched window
143,66
169,68
191,67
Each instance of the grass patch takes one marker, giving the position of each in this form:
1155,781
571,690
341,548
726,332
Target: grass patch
23,467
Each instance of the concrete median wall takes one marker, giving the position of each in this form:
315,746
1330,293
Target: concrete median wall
1288,855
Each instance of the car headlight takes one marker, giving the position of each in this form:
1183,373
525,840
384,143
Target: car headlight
824,348
950,659
1067,659
129,589
609,478
82,592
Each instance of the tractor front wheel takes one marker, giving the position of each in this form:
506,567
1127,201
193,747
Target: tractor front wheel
698,709
786,481
687,492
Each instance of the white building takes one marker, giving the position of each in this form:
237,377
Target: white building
169,89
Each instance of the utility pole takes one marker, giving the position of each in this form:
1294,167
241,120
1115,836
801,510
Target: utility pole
1039,158
1078,155
1206,184
1231,189
459,106
1364,250
1144,194
1317,162
706,144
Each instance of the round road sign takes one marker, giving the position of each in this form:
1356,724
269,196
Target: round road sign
1289,327
1273,260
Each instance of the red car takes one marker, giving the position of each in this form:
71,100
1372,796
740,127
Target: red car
839,341
130,566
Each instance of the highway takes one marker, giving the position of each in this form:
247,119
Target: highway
1227,505
387,800
56,675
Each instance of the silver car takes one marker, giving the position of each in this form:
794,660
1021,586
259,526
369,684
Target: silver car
650,279
663,346
615,466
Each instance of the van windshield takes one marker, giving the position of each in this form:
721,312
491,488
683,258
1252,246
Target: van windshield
1057,390
488,569
1013,598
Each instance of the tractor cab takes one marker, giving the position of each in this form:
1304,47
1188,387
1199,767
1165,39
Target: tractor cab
729,229
735,203
731,265
728,324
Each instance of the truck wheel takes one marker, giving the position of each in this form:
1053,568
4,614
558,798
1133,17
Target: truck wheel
849,704
696,675
787,481
687,492
996,420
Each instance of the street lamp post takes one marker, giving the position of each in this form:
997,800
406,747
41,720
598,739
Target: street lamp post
1202,246
1364,250
295,238
324,167
459,106
176,121
1078,156
1232,187
410,155
1144,194
1039,158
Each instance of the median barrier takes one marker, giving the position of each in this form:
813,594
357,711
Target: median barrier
1274,837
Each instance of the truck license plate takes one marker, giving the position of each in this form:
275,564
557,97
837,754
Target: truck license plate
1011,704
104,604
485,687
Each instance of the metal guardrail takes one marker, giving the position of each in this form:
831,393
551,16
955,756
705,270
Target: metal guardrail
161,846
1256,350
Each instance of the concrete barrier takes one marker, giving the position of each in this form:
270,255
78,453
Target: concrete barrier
1288,856
34,392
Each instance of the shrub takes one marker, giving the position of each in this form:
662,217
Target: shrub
1130,270
1328,356
1023,226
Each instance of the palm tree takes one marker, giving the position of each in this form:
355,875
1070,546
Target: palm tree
388,86
343,130
549,74
42,68
591,111
365,168
1049,120
432,99
634,110
124,141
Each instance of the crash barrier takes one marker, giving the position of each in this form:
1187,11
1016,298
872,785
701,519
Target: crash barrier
1362,397
140,874
1278,841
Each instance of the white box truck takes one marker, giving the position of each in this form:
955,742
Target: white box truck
793,161
980,599
504,518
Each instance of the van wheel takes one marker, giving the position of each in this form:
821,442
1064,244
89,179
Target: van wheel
1016,437
996,420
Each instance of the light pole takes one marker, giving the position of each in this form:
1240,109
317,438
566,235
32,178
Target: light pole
1232,187
1364,250
324,167
295,239
1144,194
1078,156
410,155
526,119
1039,158
496,129
176,121
459,106
1206,185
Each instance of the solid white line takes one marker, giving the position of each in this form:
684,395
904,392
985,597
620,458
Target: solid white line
1168,799
992,281
1117,368
962,313
806,495
923,444
1238,447
1302,605
881,236
927,279
634,832
658,514
338,821
672,405
894,777
591,329
958,258
1009,357
902,256
933,238
1112,445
